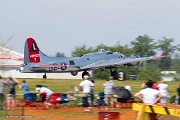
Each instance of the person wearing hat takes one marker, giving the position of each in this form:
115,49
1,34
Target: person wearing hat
128,88
44,93
163,89
85,87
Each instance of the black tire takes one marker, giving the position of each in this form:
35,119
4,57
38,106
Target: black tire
44,76
74,73
115,75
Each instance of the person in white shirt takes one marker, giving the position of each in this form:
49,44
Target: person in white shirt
85,87
45,93
149,96
163,89
108,92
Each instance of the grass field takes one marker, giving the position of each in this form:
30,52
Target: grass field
77,113
63,86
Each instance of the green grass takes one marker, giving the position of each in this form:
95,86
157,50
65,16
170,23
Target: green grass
63,86
2,115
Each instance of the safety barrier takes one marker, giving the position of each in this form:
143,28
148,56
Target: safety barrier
145,109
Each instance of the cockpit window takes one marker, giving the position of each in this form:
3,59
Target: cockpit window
122,56
109,53
71,62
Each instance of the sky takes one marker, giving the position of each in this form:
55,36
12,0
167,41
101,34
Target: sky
63,25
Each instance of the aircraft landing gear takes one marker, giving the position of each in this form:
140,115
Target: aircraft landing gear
44,76
118,75
114,74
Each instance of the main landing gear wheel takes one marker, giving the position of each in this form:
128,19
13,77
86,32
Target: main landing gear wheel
115,75
44,76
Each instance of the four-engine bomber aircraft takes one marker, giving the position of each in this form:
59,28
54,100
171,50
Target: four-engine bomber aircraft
37,62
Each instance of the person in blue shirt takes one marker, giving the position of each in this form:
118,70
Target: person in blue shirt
25,87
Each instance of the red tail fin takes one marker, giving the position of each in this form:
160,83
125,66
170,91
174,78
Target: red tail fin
33,51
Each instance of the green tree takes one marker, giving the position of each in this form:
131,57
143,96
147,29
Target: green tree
144,46
176,63
102,46
79,51
101,74
58,54
151,72
124,49
165,45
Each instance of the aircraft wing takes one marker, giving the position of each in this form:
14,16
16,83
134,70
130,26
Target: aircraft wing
117,62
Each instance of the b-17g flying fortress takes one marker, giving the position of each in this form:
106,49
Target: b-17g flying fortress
37,62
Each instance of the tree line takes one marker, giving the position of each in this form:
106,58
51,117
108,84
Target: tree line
142,46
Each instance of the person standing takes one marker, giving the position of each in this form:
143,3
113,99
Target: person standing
163,89
2,97
149,96
155,86
25,87
178,91
11,94
90,78
85,87
108,92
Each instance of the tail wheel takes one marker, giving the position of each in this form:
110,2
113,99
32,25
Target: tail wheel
74,73
44,76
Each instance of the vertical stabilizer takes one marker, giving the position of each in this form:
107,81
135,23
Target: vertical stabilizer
31,51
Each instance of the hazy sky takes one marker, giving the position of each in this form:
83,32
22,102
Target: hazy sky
62,25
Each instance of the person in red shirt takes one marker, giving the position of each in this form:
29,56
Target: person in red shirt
155,85
144,86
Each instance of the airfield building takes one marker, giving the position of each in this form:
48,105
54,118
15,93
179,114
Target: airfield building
10,61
